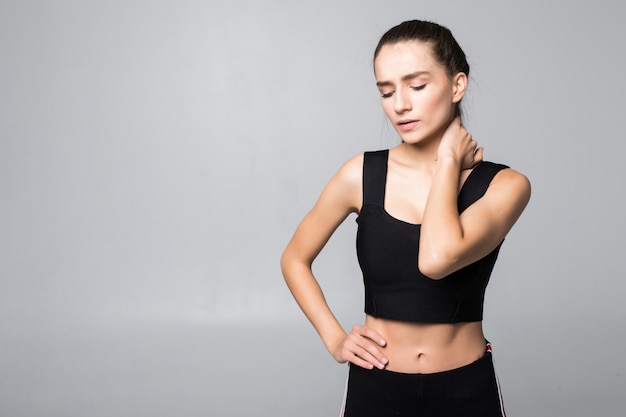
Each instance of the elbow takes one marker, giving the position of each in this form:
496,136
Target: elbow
285,262
287,269
291,263
434,266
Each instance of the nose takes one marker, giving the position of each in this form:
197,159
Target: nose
402,102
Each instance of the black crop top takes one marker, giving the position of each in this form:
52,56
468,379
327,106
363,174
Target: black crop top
387,249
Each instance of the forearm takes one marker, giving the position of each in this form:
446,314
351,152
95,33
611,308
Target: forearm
441,229
310,298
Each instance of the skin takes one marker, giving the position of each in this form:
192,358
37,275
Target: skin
424,176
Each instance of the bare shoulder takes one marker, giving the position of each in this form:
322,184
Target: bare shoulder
346,185
514,179
351,171
511,185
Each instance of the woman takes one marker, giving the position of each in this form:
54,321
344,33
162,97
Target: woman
432,216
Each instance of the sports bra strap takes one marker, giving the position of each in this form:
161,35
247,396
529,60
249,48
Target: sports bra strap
374,177
477,182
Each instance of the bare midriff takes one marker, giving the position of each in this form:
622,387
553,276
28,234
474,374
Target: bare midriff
428,348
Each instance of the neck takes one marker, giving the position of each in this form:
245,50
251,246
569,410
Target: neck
421,155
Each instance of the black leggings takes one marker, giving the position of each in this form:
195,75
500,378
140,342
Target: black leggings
469,391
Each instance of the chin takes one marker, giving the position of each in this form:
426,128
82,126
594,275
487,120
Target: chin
413,139
416,138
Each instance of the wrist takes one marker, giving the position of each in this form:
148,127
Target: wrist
448,160
333,345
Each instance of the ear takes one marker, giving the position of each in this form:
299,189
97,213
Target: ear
459,85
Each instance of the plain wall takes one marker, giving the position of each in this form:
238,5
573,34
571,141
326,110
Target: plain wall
156,156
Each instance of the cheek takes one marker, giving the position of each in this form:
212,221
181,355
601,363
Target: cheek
436,99
439,105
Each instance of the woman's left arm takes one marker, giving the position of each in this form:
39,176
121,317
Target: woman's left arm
449,241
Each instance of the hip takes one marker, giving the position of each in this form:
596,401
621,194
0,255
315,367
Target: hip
469,390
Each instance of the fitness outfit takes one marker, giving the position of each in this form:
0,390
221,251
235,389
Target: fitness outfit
395,289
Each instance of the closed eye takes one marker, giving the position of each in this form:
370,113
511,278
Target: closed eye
413,87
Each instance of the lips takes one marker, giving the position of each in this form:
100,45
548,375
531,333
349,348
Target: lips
406,125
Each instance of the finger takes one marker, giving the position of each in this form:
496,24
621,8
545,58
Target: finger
372,335
360,362
478,155
369,357
369,336
377,355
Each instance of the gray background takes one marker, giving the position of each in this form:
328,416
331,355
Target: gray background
155,157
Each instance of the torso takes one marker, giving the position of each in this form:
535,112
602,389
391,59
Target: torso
422,347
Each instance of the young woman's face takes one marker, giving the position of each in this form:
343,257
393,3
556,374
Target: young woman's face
417,94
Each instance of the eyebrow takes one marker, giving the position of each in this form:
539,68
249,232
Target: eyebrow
404,78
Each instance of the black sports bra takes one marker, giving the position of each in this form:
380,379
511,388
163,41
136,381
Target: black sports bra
387,249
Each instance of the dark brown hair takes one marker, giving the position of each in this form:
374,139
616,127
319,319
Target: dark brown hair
445,48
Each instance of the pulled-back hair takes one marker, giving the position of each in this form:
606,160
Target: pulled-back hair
445,48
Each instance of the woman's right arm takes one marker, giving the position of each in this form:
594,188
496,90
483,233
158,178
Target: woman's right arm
341,196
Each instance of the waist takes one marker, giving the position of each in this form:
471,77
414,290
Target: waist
427,347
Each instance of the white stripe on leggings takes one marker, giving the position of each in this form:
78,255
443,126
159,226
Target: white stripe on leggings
500,397
345,394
